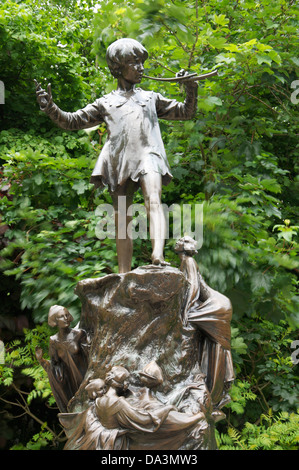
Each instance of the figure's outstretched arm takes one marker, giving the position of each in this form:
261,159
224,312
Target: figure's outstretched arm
43,362
82,119
174,110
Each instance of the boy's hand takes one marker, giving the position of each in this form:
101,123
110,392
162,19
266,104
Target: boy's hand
44,98
189,83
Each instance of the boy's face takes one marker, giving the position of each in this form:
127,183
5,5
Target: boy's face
132,70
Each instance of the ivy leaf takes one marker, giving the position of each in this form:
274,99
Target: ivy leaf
238,345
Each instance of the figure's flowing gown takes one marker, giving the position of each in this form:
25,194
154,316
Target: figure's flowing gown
211,312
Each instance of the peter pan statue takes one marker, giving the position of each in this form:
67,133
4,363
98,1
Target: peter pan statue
133,155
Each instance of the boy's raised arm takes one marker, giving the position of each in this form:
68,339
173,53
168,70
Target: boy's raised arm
174,110
82,119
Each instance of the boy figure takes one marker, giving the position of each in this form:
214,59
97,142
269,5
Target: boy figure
133,154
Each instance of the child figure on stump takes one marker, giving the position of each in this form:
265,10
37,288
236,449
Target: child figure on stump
133,155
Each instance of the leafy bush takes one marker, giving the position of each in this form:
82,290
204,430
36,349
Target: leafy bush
238,158
24,387
279,432
267,366
51,234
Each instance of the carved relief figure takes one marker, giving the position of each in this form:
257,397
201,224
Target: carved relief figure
211,312
133,155
141,422
68,352
83,430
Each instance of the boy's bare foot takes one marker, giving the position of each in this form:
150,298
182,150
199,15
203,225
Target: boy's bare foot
159,260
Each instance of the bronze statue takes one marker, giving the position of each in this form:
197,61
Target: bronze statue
126,424
133,154
114,421
211,312
177,325
83,430
68,352
149,366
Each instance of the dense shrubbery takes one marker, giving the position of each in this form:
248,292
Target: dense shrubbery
238,157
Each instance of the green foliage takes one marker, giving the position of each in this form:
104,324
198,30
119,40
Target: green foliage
19,372
20,358
268,365
238,158
52,243
240,394
240,154
41,440
279,432
266,385
51,43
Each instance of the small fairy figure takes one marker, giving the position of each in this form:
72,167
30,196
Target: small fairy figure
211,312
68,351
83,429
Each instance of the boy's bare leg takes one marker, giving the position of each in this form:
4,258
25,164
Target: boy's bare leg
151,185
124,241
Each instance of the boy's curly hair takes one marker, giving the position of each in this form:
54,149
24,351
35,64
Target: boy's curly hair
120,51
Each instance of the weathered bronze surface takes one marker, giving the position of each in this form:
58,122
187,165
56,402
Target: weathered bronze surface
130,420
158,398
157,377
211,312
68,352
133,155
149,366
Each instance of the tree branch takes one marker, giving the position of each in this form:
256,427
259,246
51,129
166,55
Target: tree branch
27,411
196,36
261,101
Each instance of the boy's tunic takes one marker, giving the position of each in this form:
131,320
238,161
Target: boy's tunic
134,145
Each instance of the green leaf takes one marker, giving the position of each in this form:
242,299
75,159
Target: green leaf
38,179
209,103
263,59
80,186
271,185
261,281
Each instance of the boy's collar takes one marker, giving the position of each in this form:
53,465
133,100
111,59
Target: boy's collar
119,98
130,92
